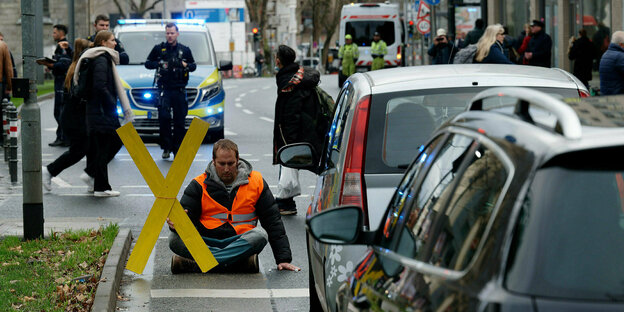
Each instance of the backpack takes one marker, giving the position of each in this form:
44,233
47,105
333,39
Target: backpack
466,55
81,89
325,113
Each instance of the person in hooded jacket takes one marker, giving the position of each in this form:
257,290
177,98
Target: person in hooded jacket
539,49
101,111
295,113
612,66
582,53
225,204
490,46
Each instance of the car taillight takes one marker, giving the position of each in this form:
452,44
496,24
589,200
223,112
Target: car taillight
398,52
583,93
352,189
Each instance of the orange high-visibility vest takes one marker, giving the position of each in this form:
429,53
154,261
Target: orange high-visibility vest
243,214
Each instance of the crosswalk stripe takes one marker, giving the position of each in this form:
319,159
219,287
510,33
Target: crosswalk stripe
230,293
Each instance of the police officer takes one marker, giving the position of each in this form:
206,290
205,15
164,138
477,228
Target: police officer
103,23
348,54
378,50
173,61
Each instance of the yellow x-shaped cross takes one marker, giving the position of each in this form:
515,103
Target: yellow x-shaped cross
165,190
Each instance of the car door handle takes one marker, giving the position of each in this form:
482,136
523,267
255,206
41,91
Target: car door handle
361,302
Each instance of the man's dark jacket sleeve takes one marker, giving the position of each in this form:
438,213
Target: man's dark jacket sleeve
124,59
152,58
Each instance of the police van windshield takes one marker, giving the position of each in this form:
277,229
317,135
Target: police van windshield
139,44
363,31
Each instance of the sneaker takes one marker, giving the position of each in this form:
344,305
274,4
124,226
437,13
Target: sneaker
88,180
286,206
165,154
107,193
47,178
288,211
252,265
183,265
56,143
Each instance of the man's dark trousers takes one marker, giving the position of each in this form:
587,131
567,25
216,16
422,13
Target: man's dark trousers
172,100
58,107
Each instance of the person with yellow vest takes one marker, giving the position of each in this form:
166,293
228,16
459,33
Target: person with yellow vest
225,204
348,54
378,50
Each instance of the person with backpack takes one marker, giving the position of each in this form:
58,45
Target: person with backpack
101,111
173,61
490,46
72,122
296,114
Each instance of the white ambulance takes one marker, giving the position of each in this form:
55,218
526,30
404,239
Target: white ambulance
361,21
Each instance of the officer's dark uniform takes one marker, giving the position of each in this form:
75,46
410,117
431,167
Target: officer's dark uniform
123,56
63,59
171,78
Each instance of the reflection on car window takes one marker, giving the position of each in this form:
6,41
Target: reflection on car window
418,115
426,196
404,196
467,214
139,44
338,125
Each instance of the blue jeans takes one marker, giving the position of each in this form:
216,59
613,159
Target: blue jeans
227,250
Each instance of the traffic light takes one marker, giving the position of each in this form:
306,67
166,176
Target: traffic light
410,27
256,34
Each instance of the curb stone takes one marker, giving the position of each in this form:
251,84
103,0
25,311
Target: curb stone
108,286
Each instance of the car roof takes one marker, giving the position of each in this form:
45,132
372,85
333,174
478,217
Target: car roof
157,25
600,118
459,75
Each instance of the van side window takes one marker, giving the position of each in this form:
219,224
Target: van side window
337,129
470,208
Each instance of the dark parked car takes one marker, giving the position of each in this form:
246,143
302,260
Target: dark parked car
382,119
514,205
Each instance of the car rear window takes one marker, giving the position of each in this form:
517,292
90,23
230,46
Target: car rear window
139,44
569,237
401,122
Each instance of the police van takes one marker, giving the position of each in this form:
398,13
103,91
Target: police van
204,91
361,21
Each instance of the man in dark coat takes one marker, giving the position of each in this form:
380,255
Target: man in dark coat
225,204
102,22
540,46
475,34
442,50
612,66
295,113
582,53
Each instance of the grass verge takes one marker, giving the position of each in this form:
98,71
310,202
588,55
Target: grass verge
59,273
46,87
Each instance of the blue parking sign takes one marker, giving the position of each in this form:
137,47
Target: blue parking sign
433,2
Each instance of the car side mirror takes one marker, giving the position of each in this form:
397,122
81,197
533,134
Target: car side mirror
225,65
298,156
342,225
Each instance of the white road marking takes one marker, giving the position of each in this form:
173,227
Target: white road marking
245,155
253,90
242,94
230,293
135,186
237,99
252,159
60,182
227,132
238,105
50,129
266,119
248,112
229,87
268,155
266,87
140,195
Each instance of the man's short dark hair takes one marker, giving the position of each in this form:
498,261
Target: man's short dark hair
479,23
286,55
61,27
226,145
169,25
101,17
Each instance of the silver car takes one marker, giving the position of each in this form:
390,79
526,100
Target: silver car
381,122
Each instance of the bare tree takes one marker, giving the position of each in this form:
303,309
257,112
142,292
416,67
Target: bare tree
139,9
328,15
258,15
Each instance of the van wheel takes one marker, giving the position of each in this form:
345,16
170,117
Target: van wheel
341,79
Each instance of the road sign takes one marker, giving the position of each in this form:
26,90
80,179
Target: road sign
165,191
423,26
423,11
433,2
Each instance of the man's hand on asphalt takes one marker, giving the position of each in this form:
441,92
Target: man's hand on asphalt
287,266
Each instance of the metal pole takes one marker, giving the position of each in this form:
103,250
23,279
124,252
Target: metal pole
31,129
164,13
5,128
38,35
72,29
13,138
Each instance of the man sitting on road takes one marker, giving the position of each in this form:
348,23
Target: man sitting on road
225,203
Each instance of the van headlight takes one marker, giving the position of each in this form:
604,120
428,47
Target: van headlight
210,91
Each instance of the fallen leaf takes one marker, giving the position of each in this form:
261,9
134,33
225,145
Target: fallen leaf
27,298
13,281
16,306
80,297
59,280
83,265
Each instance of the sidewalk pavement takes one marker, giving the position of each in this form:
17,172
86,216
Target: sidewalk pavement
106,294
